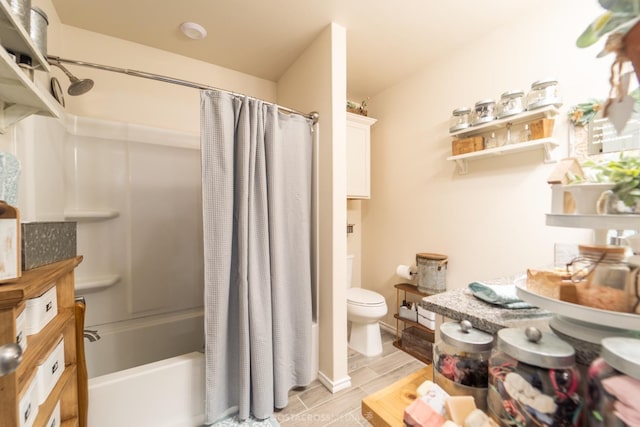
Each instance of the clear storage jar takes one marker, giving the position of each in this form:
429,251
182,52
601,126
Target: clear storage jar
460,119
533,380
543,92
603,278
461,361
510,103
614,384
484,111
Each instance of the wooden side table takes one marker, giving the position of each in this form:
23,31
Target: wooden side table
385,408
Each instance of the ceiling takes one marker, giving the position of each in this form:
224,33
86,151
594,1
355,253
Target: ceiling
387,40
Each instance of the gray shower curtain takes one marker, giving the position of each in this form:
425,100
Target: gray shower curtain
256,188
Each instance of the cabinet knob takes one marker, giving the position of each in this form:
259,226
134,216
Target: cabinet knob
10,358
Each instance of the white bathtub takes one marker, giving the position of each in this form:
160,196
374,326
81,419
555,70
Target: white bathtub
167,393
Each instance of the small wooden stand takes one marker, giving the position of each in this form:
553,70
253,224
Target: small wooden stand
412,289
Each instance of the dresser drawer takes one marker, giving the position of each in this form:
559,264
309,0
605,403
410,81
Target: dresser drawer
49,371
41,310
21,324
28,406
54,419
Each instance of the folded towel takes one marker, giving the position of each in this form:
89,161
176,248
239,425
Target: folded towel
502,295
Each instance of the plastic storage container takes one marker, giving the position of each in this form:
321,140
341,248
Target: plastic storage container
461,361
460,119
614,384
510,103
543,93
484,111
533,380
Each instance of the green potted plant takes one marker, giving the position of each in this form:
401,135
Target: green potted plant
619,24
622,172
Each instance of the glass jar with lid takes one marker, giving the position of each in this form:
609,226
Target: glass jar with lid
510,103
533,380
484,111
603,278
461,361
460,119
543,92
614,384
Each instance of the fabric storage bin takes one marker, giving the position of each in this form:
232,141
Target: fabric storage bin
54,419
21,323
41,310
50,370
28,406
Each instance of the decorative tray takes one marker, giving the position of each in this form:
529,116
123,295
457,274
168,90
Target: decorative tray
594,316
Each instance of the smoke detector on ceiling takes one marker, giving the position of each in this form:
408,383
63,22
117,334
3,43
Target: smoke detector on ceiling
193,30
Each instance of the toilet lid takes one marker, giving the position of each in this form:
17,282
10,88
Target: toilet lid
359,296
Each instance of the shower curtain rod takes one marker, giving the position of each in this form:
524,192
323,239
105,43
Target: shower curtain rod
314,116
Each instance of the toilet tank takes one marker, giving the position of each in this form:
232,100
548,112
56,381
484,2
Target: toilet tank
349,270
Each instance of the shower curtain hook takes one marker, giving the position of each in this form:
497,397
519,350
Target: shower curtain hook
315,116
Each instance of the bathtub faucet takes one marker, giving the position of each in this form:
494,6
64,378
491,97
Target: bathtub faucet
91,335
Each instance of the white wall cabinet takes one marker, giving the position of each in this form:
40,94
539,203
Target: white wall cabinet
19,96
358,156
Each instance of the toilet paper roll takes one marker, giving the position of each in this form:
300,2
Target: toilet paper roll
404,271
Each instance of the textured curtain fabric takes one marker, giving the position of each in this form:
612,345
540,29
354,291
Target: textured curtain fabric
256,195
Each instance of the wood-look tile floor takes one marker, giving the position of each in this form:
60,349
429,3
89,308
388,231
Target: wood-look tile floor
314,405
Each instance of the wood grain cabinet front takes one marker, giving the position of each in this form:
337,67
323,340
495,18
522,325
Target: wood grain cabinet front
43,390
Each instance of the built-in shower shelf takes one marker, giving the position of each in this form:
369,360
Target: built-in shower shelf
95,284
90,216
19,95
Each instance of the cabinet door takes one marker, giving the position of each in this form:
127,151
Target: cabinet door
358,161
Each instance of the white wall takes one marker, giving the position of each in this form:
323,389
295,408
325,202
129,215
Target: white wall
490,222
324,64
136,100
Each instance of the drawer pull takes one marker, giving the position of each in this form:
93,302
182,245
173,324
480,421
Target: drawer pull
49,306
27,412
54,368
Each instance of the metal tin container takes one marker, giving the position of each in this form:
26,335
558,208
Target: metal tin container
611,402
484,111
510,103
533,380
543,92
460,119
38,31
21,10
432,270
461,361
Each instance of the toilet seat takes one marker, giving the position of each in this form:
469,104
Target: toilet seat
364,298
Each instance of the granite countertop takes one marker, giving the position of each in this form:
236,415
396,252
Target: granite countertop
460,304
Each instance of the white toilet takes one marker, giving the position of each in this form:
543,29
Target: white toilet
364,309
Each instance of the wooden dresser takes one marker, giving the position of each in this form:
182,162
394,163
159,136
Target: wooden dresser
62,388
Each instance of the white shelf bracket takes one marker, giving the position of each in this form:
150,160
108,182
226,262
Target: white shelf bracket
463,166
549,149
